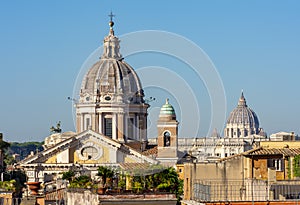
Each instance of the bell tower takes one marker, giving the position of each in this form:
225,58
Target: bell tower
167,127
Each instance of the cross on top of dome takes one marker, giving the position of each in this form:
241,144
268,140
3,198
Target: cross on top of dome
111,23
111,15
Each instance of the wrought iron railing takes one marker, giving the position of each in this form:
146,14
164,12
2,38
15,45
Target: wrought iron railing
244,190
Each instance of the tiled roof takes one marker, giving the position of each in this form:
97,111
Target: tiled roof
260,151
152,152
139,169
274,151
133,166
134,145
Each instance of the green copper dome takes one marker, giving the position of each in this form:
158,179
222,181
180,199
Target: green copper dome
167,109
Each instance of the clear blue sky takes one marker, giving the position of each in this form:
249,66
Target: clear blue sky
255,46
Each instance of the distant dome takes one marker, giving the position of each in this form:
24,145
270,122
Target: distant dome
111,79
242,121
167,111
242,114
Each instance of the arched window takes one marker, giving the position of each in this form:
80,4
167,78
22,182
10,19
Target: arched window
167,136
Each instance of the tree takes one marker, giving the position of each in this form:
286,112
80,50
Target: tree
3,147
168,180
25,148
69,175
82,181
104,173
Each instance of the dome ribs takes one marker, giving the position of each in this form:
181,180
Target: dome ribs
242,121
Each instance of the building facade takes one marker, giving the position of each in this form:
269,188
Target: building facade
242,133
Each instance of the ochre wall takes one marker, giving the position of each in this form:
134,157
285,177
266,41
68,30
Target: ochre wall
129,160
180,174
51,160
231,169
260,170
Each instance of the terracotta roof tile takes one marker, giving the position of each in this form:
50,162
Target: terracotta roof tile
274,151
134,145
152,151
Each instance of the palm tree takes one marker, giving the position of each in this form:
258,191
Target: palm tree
104,173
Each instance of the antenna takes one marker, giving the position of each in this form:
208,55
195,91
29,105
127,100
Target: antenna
150,99
72,99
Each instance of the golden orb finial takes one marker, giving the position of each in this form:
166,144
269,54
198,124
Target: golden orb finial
111,15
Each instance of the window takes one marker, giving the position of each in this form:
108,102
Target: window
278,164
87,123
89,152
108,127
167,139
130,125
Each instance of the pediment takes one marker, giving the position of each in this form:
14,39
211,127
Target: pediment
87,147
84,139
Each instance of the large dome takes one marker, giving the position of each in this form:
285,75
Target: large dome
111,98
242,121
242,114
111,78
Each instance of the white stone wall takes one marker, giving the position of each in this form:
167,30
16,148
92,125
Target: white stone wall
85,198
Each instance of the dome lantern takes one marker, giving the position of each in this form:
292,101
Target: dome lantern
242,101
111,43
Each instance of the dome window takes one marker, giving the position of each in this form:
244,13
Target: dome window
107,98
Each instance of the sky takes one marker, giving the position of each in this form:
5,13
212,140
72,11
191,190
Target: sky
254,46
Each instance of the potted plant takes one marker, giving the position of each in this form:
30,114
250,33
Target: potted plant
105,173
34,187
122,183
